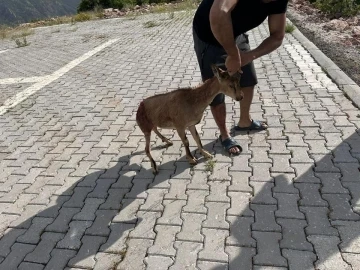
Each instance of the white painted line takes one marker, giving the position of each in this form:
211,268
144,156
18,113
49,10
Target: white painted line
23,80
15,100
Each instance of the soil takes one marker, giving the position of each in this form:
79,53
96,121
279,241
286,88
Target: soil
341,44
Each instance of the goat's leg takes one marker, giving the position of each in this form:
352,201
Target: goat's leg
196,137
189,156
165,140
147,150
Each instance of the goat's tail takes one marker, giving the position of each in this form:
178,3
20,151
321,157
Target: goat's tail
143,120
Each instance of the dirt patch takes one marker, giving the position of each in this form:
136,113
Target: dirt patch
338,39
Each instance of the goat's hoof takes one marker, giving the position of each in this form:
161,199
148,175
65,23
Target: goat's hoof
207,155
193,161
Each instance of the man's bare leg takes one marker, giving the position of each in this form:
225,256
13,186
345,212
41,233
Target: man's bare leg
219,114
245,104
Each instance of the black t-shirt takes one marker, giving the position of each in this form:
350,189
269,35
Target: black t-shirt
246,15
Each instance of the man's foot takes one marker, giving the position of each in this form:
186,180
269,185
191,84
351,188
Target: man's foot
255,125
231,145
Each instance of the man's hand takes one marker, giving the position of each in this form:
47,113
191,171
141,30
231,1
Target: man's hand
233,63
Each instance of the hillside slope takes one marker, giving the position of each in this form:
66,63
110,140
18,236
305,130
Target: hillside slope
20,11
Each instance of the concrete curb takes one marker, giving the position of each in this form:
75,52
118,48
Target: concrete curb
345,83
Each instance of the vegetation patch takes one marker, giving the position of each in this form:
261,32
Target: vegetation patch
289,28
338,8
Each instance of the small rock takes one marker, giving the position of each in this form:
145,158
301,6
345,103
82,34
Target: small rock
108,10
137,7
356,31
337,25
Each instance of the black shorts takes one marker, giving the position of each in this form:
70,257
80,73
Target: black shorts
208,54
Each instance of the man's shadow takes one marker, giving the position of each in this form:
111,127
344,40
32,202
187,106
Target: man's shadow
100,211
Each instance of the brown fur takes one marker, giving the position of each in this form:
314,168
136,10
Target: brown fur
183,108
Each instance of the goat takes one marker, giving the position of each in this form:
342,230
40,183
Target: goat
183,108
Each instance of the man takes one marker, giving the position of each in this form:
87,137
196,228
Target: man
219,31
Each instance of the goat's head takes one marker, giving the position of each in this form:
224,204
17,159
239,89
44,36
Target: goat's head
230,84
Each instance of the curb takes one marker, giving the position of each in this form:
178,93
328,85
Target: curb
344,82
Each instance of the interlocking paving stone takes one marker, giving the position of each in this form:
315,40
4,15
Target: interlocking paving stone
239,204
100,226
17,254
317,218
72,239
329,256
41,253
349,237
165,237
135,254
268,249
299,259
265,218
9,239
214,245
340,207
116,242
294,234
186,255
158,262
172,212
240,232
32,236
191,227
145,226
288,206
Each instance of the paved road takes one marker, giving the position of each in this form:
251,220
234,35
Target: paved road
76,189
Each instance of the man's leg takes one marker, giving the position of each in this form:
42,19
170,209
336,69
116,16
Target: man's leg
245,118
219,114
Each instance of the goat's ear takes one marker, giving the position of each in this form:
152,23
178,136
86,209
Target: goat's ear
219,74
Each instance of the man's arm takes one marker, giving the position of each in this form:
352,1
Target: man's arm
222,28
277,24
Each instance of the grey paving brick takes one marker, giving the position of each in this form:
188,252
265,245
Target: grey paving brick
352,259
284,183
240,163
177,189
261,172
139,189
268,249
182,171
158,262
329,256
262,193
89,209
240,181
186,255
214,245
134,257
196,201
101,189
154,200
32,235
61,223
117,238
240,232
317,218
101,224
113,201
78,197
349,232
146,222
260,155
278,147
14,193
240,258
128,211
41,253
105,261
24,221
216,215
85,258
280,164
72,239
218,192
220,172
239,204
8,240
340,207
171,214
288,206
206,265
349,172
294,234
310,195
161,180
32,266
164,241
324,163
299,260
191,227
17,254
265,218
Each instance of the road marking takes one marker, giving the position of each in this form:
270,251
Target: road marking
20,97
23,80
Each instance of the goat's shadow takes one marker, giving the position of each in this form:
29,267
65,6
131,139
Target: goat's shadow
108,196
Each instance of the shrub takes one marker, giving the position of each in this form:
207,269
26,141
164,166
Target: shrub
81,17
338,8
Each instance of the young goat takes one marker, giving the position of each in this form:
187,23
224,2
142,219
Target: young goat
184,108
